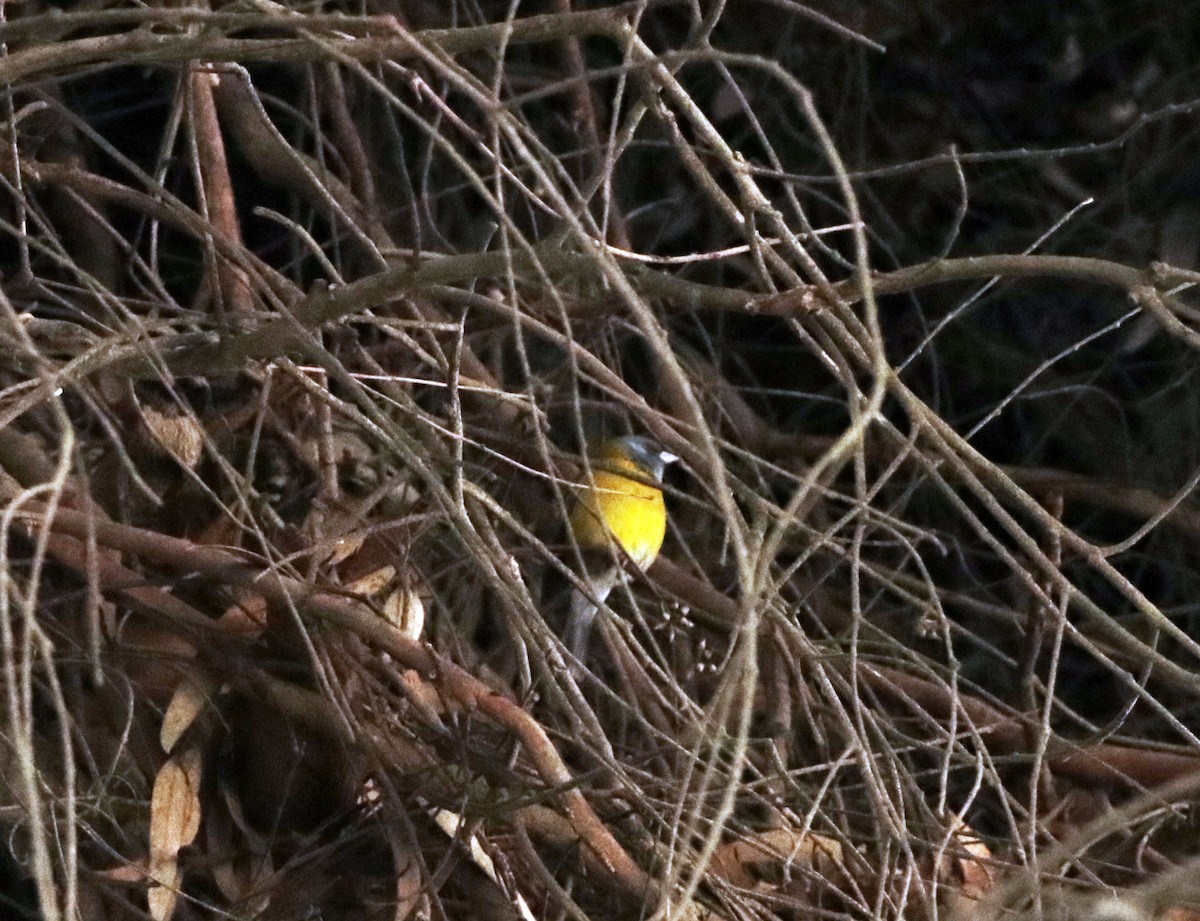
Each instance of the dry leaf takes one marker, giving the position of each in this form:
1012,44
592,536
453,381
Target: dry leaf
452,824
966,864
343,548
770,856
179,435
373,582
242,873
410,891
174,821
247,618
186,703
405,610
127,873
423,695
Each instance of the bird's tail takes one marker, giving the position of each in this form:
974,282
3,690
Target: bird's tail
582,616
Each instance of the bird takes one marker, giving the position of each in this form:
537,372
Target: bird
619,517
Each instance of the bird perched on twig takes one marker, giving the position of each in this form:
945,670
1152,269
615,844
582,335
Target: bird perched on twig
619,516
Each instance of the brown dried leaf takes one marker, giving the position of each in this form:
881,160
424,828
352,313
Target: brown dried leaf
242,873
769,856
156,651
92,901
247,618
966,864
179,435
425,696
126,873
410,890
174,821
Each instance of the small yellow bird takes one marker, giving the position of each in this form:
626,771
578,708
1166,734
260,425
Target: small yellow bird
620,514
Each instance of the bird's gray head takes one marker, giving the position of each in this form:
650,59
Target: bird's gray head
646,453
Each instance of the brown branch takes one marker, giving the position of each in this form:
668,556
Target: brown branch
805,299
1009,733
157,204
387,43
1133,500
232,282
278,163
451,679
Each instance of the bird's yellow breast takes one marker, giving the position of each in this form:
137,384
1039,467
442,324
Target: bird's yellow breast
621,508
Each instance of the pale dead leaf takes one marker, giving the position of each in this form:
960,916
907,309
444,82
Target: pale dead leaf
161,900
405,610
174,821
373,582
186,703
403,607
343,548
